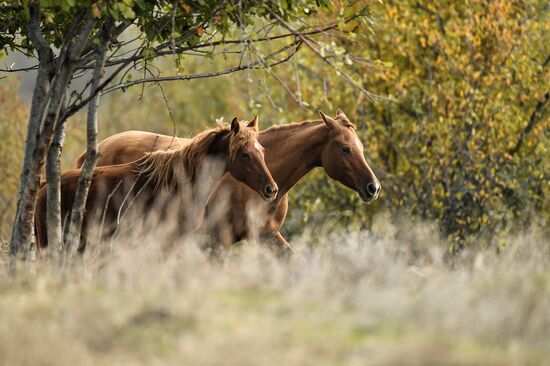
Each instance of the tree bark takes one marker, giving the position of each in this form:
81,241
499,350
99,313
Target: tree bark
73,234
22,227
22,232
53,175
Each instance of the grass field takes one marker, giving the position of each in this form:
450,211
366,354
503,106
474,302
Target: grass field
378,298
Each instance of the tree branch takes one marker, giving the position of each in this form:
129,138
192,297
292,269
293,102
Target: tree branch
35,34
309,43
533,120
210,74
76,107
159,50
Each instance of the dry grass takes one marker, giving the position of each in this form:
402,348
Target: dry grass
380,298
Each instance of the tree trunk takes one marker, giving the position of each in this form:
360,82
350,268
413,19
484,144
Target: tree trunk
53,175
22,227
73,234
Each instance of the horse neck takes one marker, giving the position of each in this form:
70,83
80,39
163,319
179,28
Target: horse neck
219,147
293,150
177,170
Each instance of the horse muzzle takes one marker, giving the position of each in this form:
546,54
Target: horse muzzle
369,192
270,192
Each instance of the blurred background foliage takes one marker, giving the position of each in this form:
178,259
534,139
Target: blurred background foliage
13,117
459,134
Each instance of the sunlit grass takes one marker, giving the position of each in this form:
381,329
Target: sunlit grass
359,299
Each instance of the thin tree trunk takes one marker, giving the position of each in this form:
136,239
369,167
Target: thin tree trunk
53,175
66,65
22,227
75,223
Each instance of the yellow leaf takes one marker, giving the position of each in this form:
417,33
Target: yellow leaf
95,10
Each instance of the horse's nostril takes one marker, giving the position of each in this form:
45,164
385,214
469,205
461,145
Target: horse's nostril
372,189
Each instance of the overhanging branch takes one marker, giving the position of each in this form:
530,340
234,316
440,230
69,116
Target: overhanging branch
309,43
76,107
161,51
209,74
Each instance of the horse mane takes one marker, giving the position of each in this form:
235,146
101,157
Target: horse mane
173,167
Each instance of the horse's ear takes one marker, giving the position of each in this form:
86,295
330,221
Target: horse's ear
254,123
329,122
235,125
341,114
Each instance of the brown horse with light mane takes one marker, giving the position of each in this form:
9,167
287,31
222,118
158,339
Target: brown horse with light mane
160,180
292,150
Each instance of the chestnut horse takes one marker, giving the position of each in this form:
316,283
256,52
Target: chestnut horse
292,150
161,179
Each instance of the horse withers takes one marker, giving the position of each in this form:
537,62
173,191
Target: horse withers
166,182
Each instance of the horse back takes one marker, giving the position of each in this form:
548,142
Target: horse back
128,146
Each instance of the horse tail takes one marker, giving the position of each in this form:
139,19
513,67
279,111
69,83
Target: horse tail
80,160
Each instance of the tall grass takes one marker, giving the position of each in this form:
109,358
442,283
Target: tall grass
385,297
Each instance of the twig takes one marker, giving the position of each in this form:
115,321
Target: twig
532,122
205,75
308,42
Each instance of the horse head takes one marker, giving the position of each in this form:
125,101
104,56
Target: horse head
343,160
247,159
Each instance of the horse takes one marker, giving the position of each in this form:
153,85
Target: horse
292,150
166,179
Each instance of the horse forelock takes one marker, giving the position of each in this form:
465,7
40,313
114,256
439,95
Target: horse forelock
346,122
349,125
177,166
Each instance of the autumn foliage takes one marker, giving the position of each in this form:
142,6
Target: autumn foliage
460,134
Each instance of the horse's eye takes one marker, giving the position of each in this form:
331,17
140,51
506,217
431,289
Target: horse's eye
346,150
245,155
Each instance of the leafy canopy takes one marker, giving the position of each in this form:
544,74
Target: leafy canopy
158,21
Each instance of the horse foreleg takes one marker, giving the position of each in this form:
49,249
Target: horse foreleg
284,248
222,239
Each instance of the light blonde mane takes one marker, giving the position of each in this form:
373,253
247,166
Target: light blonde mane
179,166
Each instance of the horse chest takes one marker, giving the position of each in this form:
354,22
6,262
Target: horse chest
268,218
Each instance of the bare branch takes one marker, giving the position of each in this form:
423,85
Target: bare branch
309,43
535,117
159,50
76,107
206,75
76,49
23,69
